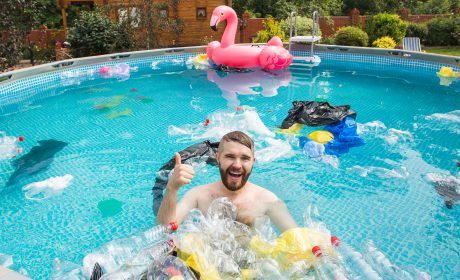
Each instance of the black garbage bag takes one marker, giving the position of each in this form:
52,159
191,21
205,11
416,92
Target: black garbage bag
97,272
314,113
204,151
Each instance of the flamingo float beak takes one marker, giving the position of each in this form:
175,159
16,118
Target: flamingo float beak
214,22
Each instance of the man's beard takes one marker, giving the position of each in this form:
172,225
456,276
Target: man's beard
233,186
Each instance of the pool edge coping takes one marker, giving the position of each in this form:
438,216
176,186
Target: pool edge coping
15,75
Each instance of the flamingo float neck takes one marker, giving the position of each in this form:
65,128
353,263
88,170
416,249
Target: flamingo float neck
228,38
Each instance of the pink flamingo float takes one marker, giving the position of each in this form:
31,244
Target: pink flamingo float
273,56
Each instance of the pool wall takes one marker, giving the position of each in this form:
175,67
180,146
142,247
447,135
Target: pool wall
39,82
347,53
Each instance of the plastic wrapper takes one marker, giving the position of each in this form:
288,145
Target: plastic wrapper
168,268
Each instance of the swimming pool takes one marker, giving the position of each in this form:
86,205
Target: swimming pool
118,132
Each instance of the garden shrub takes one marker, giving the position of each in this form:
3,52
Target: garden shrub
304,26
443,31
10,51
384,24
351,36
95,33
384,43
272,28
417,30
328,41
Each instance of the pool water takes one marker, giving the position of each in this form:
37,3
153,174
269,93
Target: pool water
120,132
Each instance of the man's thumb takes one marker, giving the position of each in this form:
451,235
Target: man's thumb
178,159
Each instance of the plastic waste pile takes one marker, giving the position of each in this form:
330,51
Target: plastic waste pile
8,146
343,137
216,246
126,258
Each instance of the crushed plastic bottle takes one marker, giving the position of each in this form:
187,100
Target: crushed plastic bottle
313,220
267,269
325,269
6,260
222,208
65,270
136,266
117,252
8,147
382,264
353,261
168,268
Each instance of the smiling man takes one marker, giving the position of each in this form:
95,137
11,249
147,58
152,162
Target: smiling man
235,158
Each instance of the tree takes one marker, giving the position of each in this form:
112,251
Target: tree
94,33
434,6
324,7
18,18
364,6
146,17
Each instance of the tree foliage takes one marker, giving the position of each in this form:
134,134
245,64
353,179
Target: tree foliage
384,43
384,24
95,33
304,26
272,28
444,31
145,17
351,36
280,9
18,18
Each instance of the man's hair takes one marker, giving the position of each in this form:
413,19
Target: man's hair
239,137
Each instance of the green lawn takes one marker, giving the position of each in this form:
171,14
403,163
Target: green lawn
455,51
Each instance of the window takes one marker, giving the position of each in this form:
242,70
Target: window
130,14
201,13
164,12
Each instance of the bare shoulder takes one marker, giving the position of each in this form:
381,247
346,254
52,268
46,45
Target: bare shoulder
263,194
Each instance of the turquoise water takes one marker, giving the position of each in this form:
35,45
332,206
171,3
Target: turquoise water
376,192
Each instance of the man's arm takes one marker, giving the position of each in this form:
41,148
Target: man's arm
169,210
280,216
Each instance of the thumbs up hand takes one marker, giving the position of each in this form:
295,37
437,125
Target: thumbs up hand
183,174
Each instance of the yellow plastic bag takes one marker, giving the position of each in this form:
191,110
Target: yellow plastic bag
191,249
292,246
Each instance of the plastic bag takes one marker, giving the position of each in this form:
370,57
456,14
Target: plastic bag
205,151
314,113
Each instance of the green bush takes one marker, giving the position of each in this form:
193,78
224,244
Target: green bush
94,34
384,24
443,31
351,36
304,26
272,28
384,43
417,30
10,52
328,41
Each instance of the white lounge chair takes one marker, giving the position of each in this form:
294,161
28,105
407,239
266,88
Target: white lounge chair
412,44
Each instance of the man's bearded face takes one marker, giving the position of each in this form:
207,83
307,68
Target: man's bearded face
235,165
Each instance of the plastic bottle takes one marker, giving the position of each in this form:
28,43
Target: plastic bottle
159,231
324,268
113,254
353,261
383,265
136,266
